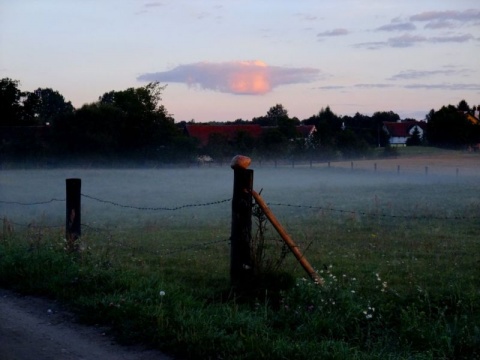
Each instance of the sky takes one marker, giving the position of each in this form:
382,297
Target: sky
235,59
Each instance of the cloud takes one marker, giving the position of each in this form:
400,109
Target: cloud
332,87
440,24
447,19
406,26
372,45
236,77
462,16
153,4
457,38
405,40
373,86
408,40
334,32
418,74
453,87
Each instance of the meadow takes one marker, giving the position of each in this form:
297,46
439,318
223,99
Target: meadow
399,253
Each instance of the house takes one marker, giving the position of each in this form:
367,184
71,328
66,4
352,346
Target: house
399,132
306,131
203,132
472,118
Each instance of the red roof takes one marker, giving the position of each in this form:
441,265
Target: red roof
203,132
306,130
401,129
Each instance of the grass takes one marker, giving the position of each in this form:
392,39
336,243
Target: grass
400,261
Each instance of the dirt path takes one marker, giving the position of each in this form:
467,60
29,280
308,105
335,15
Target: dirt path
40,329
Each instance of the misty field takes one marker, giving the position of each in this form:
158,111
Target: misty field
399,252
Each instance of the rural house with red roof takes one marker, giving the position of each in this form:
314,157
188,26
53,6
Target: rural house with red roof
203,132
400,131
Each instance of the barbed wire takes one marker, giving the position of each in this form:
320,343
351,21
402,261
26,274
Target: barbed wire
155,208
380,215
31,203
175,208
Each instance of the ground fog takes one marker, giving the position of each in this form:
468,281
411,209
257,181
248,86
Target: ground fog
201,195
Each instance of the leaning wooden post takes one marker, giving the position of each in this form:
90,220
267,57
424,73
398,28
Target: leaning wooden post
73,215
241,264
288,240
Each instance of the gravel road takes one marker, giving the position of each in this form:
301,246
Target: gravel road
41,329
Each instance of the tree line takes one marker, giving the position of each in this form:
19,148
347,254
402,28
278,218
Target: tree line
133,125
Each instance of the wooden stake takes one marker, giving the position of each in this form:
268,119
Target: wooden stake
241,265
73,215
288,240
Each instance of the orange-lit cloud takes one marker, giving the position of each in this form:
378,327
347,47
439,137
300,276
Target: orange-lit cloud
236,77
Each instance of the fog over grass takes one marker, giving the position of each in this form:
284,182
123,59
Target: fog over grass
320,187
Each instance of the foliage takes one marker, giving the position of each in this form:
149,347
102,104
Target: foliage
449,127
415,139
11,103
47,106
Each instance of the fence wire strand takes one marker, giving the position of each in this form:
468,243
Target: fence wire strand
31,203
379,215
155,208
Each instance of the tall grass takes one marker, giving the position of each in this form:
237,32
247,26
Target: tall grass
400,261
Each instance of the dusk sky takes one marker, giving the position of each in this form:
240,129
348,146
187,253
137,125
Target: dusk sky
230,59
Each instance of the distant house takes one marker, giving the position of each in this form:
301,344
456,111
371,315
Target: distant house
306,131
203,132
399,132
472,118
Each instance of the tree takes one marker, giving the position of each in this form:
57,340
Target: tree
463,106
415,139
10,102
147,127
273,143
448,127
243,143
47,105
328,127
277,112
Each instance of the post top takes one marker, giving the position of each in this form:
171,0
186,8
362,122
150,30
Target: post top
240,162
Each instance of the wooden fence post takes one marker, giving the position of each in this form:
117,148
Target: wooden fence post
241,264
73,215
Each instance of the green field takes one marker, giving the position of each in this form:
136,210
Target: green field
399,253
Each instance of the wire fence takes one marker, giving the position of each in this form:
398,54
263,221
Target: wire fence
375,214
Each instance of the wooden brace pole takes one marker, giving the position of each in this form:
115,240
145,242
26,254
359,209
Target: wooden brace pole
288,240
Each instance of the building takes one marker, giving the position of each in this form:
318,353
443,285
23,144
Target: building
203,132
399,132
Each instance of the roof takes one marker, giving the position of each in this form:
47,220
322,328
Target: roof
203,132
401,129
306,130
472,118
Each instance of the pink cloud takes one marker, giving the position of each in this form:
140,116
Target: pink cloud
236,77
